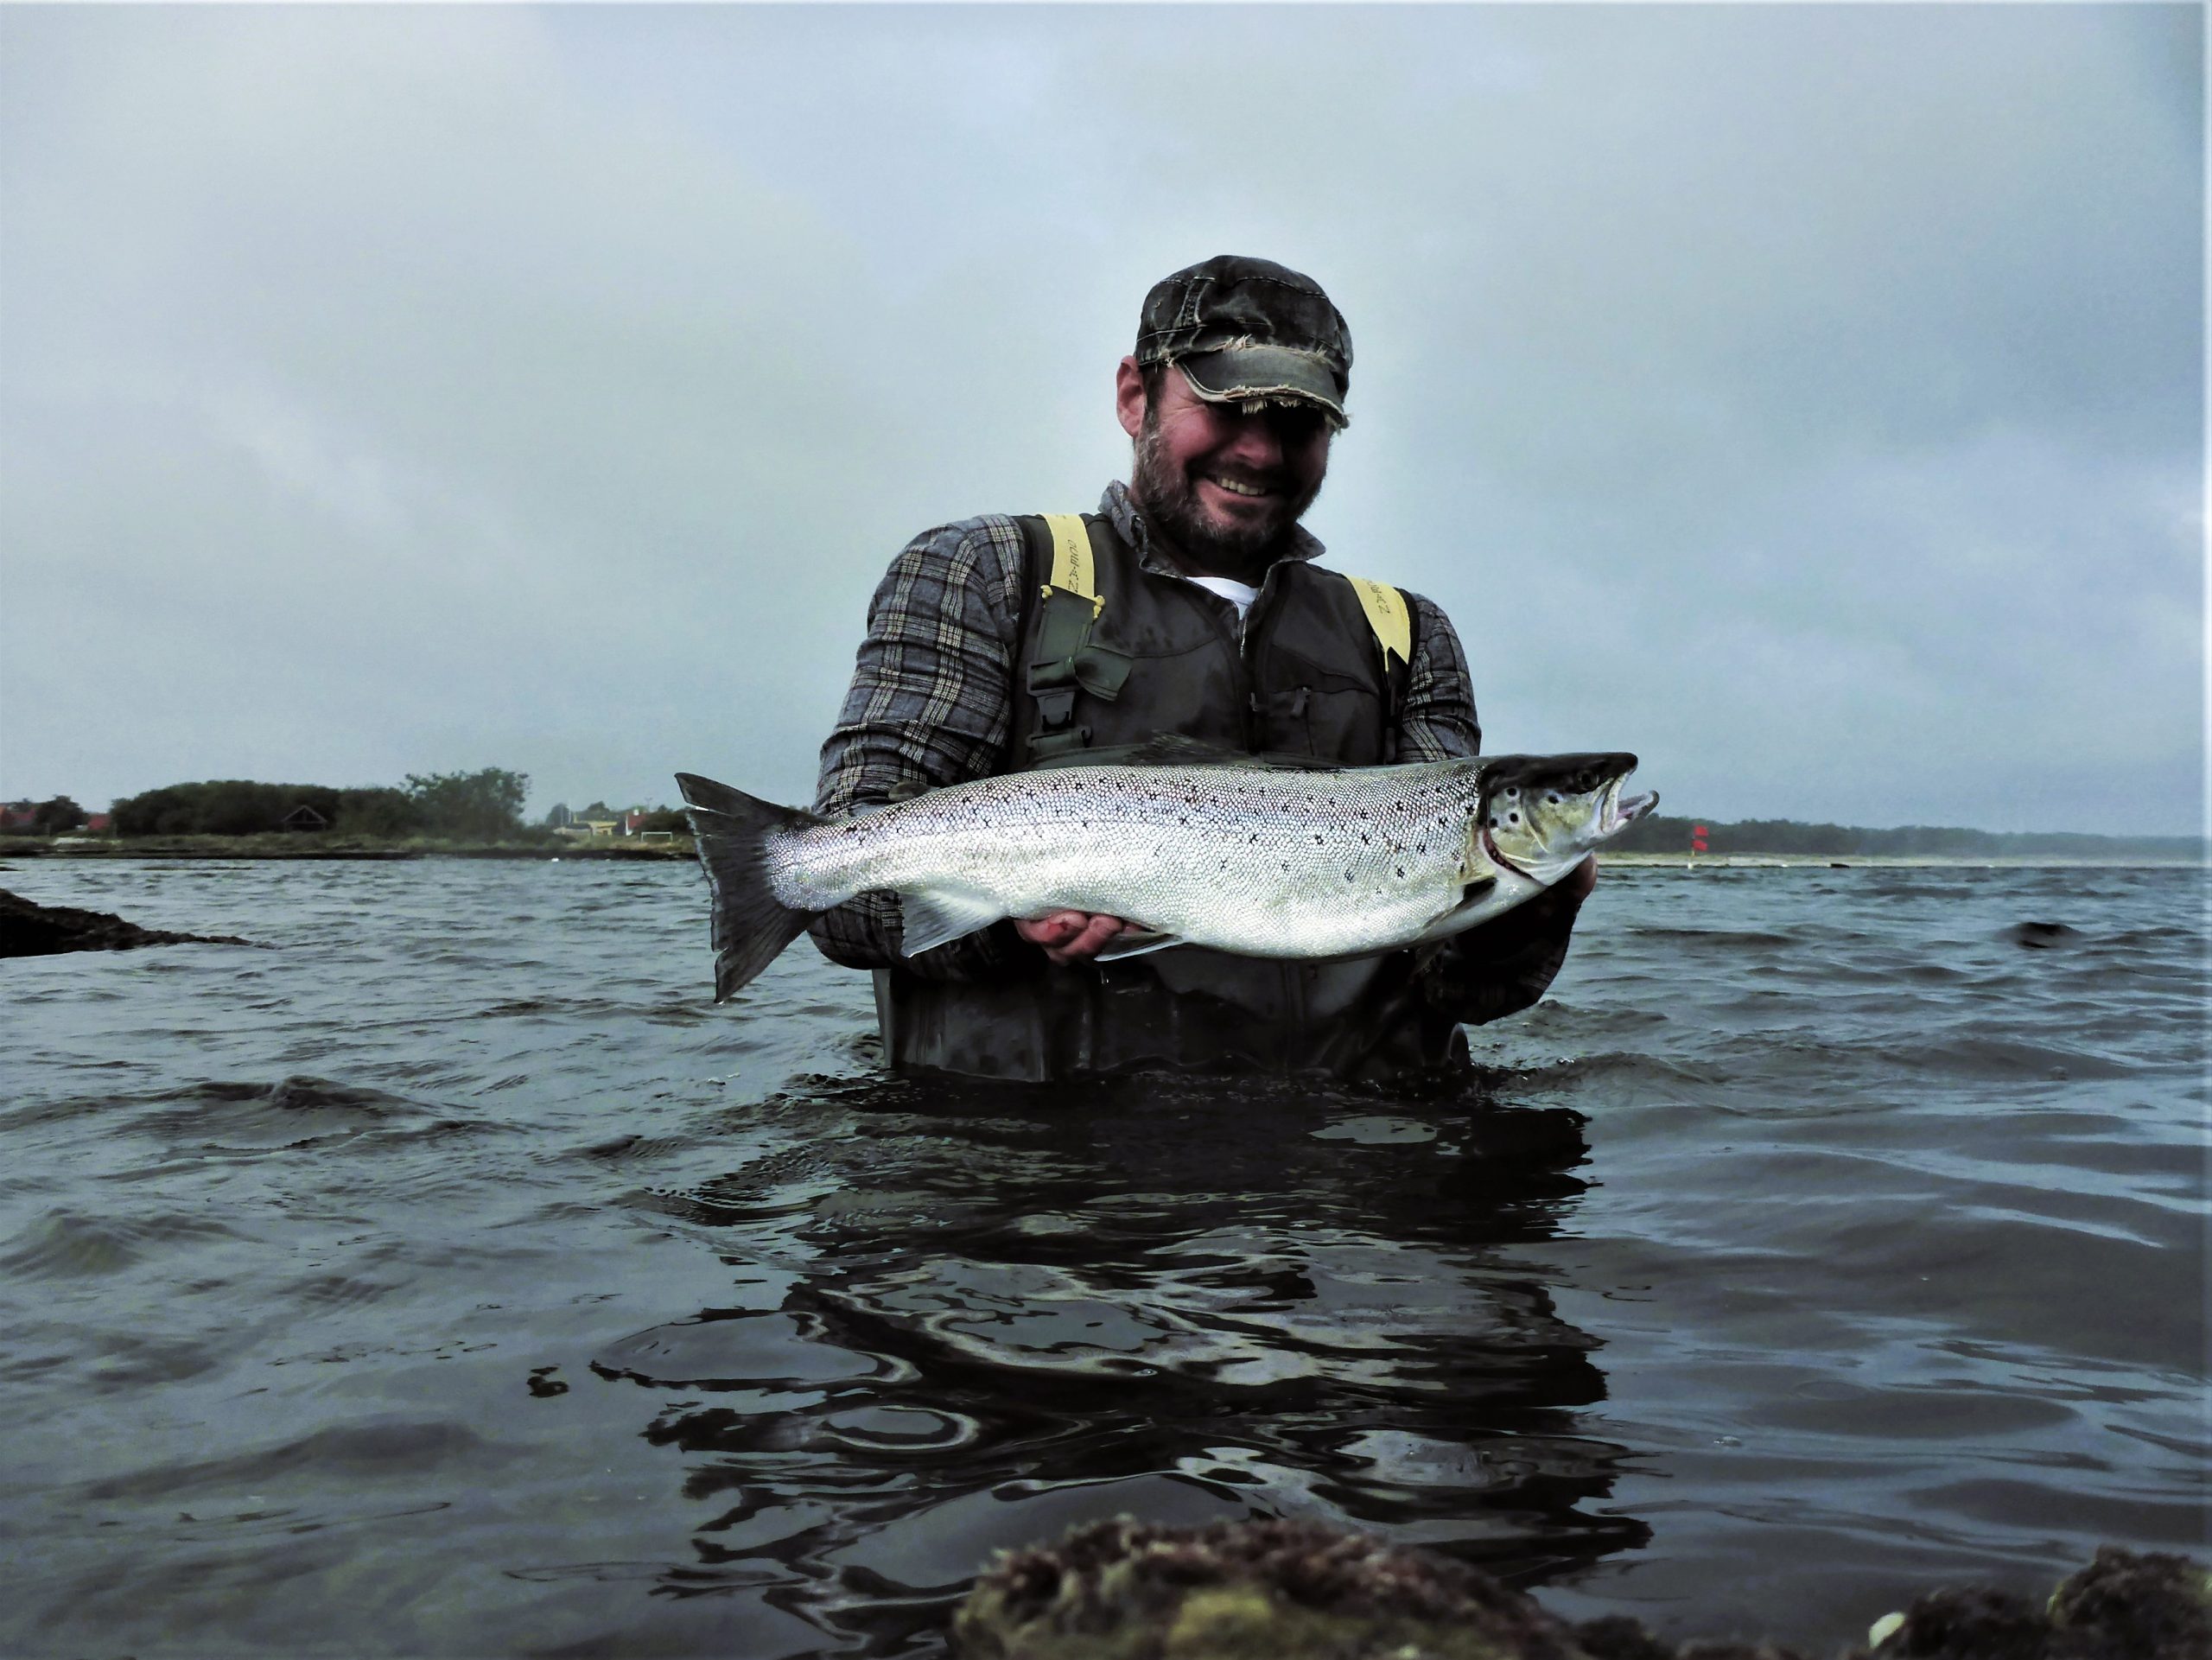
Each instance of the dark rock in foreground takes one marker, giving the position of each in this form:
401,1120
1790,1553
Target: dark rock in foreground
29,929
1278,1590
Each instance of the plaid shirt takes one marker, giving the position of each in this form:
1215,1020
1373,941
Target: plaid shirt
931,703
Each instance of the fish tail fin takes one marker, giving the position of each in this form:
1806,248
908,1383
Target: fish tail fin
751,925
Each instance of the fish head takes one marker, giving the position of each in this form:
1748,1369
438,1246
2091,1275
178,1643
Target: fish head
1540,814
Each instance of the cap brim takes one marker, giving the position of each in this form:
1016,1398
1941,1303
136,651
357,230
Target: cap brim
1246,371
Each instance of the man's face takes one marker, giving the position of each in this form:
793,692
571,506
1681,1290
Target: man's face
1225,485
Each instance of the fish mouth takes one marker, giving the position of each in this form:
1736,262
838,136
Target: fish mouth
1620,814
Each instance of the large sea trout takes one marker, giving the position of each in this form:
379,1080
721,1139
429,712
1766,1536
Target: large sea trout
1258,859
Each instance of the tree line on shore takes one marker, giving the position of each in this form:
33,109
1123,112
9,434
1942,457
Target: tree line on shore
482,806
1662,834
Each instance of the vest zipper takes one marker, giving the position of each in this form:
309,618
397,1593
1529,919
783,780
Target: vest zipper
1248,632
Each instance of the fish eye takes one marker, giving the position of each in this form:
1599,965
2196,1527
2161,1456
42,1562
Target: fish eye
1513,817
1552,796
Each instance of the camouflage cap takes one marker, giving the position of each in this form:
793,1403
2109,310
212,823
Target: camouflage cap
1242,328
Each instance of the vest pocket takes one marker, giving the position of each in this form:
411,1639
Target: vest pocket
1341,724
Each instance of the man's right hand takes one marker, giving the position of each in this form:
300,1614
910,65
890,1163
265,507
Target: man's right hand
1071,936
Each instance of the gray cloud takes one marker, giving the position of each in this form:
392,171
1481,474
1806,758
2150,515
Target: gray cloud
1810,399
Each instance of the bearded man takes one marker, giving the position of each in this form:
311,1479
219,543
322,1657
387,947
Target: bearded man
1196,609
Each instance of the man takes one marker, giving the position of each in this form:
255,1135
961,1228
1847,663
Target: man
1209,621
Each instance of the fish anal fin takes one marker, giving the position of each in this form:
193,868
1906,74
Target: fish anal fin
941,916
1135,942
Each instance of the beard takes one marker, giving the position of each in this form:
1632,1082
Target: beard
1170,502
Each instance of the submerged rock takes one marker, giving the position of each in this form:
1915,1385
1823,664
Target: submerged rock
1125,1590
31,930
1281,1590
2121,1606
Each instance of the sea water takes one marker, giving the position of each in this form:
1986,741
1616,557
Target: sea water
440,1273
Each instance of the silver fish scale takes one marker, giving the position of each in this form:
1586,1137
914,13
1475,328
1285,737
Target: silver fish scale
1265,861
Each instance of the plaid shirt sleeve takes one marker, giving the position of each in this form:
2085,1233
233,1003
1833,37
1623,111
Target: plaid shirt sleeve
1437,721
930,704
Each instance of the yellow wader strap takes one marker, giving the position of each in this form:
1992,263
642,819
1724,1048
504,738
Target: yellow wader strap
1388,616
1072,570
1065,659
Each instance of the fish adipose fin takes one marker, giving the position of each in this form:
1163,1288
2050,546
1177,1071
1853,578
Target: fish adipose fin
941,916
751,925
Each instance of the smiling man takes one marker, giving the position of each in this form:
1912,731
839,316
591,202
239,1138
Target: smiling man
1190,605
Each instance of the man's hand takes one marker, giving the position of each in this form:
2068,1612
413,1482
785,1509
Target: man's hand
1503,967
1071,936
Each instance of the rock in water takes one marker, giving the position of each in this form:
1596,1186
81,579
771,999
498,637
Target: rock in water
1278,1590
31,930
2157,1606
2121,1606
1268,1590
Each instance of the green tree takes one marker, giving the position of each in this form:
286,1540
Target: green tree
377,811
52,817
487,802
665,818
219,807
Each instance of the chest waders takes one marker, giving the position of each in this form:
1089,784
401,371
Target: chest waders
1111,655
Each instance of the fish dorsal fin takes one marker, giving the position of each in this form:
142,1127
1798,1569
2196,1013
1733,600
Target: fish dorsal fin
938,918
1174,749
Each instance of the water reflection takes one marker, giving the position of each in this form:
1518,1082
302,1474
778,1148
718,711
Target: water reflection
982,1316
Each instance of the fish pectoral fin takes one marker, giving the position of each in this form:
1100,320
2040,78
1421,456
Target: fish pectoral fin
941,916
1458,918
1135,942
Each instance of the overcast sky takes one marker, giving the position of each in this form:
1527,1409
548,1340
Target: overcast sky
1808,398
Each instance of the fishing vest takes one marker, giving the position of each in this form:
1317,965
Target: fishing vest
1109,655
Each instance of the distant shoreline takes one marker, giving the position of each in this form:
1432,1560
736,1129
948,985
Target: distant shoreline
606,850
324,847
1906,861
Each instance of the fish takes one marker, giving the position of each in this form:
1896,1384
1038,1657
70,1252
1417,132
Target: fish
1194,845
